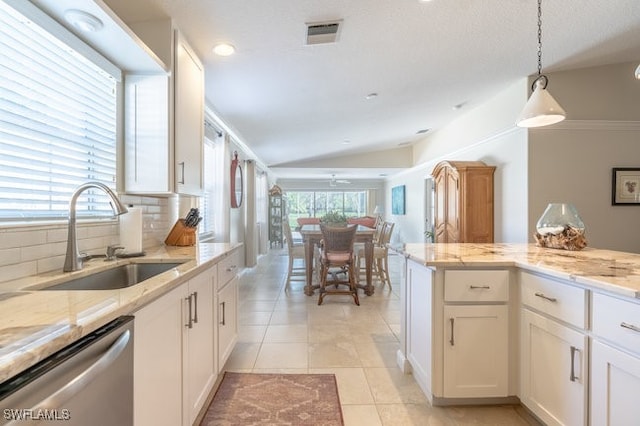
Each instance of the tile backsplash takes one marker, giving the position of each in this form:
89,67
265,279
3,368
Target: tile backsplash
36,249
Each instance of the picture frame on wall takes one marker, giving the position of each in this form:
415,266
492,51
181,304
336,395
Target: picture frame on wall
625,186
398,200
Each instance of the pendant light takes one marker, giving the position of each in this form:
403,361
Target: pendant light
541,109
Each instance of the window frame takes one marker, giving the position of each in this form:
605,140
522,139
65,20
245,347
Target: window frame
65,37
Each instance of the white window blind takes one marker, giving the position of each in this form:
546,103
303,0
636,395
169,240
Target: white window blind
211,203
57,124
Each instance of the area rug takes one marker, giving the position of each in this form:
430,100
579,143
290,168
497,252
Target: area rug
275,399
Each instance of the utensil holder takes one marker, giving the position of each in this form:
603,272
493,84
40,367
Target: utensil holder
181,235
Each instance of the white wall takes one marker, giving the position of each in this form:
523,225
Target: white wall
486,133
568,162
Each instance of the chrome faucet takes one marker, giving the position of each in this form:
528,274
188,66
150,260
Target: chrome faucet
73,260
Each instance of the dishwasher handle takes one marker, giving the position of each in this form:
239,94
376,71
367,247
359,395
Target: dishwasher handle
75,385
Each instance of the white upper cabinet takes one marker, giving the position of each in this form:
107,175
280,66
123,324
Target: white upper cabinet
165,157
147,139
189,118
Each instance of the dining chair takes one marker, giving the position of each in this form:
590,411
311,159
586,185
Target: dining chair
295,252
336,253
380,262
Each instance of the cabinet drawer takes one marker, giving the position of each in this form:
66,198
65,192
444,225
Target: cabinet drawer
227,269
562,301
476,286
617,320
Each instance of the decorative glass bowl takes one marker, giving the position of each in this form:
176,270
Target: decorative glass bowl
560,226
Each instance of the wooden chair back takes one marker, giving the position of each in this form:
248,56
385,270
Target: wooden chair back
338,239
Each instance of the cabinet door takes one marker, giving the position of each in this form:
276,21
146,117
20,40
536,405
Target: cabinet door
476,353
146,138
440,209
189,119
615,387
227,321
419,324
199,375
157,358
553,370
452,217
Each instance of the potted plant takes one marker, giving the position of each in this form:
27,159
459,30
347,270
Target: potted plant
334,218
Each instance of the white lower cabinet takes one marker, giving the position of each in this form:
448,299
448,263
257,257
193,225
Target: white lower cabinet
553,365
457,332
476,351
173,354
419,294
615,387
615,362
157,365
227,321
198,370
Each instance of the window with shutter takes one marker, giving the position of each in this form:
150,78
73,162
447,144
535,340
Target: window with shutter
58,120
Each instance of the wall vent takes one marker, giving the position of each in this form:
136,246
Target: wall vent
323,32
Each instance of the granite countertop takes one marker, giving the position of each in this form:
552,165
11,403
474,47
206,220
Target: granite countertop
36,323
612,271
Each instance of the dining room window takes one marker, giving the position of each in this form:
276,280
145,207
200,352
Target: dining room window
58,118
319,203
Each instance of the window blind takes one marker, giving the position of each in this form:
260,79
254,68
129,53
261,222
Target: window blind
57,124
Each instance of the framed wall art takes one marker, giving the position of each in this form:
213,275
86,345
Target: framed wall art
397,200
625,186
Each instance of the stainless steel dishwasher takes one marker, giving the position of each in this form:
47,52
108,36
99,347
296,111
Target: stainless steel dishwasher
90,382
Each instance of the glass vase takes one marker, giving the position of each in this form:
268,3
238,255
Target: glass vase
557,217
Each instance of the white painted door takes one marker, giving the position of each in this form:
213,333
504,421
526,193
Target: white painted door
476,351
189,119
199,375
227,320
553,370
615,387
157,359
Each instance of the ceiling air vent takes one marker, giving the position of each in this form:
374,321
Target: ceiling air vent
323,32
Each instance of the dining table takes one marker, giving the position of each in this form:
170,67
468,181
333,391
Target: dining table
311,236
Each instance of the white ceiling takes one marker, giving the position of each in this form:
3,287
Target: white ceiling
292,103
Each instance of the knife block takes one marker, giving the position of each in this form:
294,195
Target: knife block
181,235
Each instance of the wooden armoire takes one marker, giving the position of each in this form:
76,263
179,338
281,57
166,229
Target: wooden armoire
463,202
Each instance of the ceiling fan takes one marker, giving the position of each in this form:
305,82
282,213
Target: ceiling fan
335,182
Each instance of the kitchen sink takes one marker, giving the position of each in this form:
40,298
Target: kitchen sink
115,278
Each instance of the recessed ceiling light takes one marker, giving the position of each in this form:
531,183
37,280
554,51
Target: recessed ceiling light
83,21
371,95
224,49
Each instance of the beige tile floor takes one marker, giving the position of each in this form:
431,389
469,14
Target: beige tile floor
288,332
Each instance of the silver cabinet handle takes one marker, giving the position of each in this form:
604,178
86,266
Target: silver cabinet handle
630,326
573,376
451,341
483,287
78,383
550,299
232,268
181,164
189,324
195,311
223,314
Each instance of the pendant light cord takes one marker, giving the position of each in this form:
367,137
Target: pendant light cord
539,37
541,77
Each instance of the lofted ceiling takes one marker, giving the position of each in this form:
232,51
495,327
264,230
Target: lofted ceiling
301,107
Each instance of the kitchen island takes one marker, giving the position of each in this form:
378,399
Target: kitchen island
556,330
